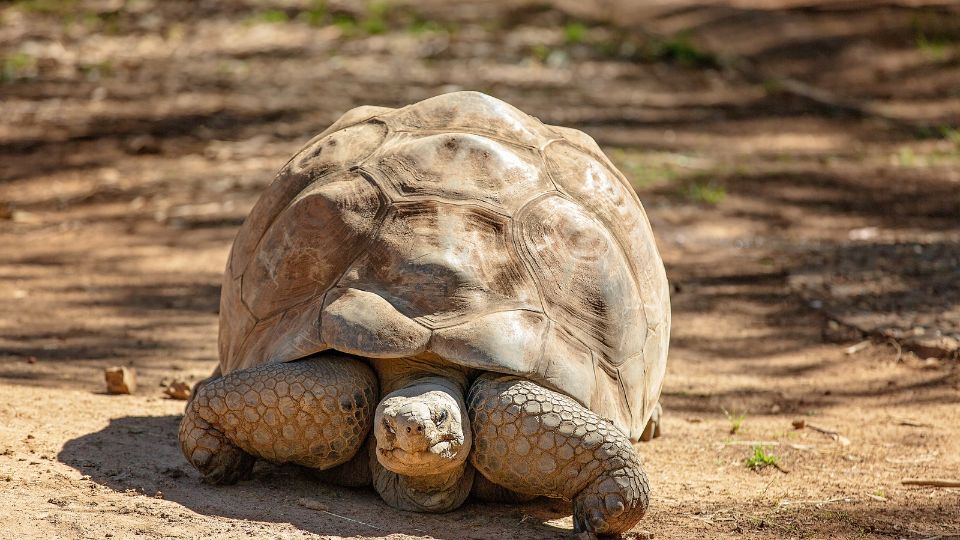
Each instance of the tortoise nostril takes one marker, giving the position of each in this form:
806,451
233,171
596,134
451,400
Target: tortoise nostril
408,429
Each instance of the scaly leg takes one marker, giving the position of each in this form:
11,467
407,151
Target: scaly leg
316,412
536,441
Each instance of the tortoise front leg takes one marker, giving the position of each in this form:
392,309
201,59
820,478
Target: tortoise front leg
315,412
536,441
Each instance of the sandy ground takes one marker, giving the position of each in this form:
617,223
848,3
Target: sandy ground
133,143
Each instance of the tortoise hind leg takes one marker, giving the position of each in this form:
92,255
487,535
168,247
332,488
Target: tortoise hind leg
652,429
533,440
315,412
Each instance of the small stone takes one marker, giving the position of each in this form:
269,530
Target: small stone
800,423
120,380
19,216
312,504
178,390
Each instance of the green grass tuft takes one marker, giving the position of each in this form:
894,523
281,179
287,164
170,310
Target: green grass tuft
906,157
760,459
269,16
421,27
347,24
540,52
316,15
680,50
706,192
375,19
935,48
574,33
736,421
951,134
17,66
47,7
646,169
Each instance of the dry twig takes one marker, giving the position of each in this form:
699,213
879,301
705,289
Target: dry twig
750,443
817,503
931,482
911,423
833,434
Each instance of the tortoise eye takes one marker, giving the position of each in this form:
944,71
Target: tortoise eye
442,417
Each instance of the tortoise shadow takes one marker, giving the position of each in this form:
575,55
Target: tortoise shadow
140,453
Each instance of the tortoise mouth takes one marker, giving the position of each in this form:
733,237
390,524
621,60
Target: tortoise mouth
440,456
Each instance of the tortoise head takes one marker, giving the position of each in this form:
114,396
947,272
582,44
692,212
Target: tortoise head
423,429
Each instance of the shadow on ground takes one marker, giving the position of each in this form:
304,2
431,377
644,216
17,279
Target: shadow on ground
140,453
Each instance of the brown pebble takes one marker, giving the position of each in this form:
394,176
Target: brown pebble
312,504
178,390
799,423
120,380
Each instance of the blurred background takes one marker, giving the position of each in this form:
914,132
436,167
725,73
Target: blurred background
799,161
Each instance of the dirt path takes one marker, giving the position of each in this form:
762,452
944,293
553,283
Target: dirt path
133,144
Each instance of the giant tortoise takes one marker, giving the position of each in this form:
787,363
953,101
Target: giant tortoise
427,293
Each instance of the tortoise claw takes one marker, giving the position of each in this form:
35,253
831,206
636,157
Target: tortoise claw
227,467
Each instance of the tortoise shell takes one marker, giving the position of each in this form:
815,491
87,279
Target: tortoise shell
457,227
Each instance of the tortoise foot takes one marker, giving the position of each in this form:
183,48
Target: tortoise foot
209,450
652,430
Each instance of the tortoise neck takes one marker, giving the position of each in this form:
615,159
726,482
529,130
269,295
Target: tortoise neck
427,493
429,484
397,373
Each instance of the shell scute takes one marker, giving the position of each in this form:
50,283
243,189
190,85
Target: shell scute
586,283
304,251
471,112
461,167
438,262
